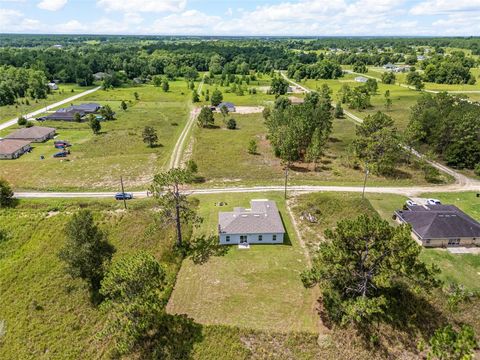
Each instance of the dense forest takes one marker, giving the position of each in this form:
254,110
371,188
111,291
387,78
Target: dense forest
75,59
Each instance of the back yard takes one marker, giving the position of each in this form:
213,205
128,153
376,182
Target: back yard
258,288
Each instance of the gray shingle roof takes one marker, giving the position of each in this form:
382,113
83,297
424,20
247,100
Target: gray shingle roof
440,222
8,147
31,133
263,217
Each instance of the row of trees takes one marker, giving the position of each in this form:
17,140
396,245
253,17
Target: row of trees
21,82
450,125
323,69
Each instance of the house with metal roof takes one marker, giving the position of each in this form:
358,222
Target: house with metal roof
12,149
261,224
440,225
87,108
33,134
230,107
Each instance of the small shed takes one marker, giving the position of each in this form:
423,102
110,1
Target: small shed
230,107
52,86
12,149
33,134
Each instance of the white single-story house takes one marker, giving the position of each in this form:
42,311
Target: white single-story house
33,134
261,224
12,149
440,225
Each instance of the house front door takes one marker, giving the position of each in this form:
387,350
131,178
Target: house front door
243,239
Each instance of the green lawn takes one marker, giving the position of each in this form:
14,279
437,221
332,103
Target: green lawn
64,91
466,201
98,161
223,159
259,288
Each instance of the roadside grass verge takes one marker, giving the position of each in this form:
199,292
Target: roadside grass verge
97,161
258,288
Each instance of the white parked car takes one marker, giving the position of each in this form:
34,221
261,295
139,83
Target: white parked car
433,202
411,203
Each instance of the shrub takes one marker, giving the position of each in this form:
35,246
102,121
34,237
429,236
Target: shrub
21,121
477,169
231,124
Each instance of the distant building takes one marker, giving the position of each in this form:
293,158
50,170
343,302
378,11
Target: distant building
389,66
420,57
230,107
88,108
69,113
33,134
52,86
440,225
12,149
361,79
296,100
99,76
261,224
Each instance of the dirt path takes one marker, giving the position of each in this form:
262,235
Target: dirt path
177,152
46,108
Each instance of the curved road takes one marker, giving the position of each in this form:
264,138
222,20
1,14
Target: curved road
48,107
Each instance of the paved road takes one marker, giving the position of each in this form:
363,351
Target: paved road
406,191
51,106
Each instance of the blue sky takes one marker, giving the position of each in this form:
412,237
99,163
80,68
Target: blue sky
247,17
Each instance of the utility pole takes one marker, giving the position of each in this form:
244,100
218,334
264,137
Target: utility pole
123,193
365,181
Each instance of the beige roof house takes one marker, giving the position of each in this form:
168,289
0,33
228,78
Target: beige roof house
33,134
12,149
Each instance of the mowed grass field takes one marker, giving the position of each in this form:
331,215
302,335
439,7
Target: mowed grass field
223,159
258,288
47,314
97,161
64,91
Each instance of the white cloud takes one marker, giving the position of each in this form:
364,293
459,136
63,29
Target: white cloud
188,22
433,7
52,5
157,6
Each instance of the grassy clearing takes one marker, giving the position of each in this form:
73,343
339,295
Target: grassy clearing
65,91
48,315
402,98
258,99
98,161
259,288
223,158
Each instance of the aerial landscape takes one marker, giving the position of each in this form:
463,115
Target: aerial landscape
294,179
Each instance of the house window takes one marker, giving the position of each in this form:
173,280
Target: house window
274,238
427,241
260,237
227,238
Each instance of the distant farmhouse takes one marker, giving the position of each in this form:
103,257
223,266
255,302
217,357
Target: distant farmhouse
296,100
69,113
396,68
261,224
33,134
440,225
12,149
52,86
361,79
230,107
